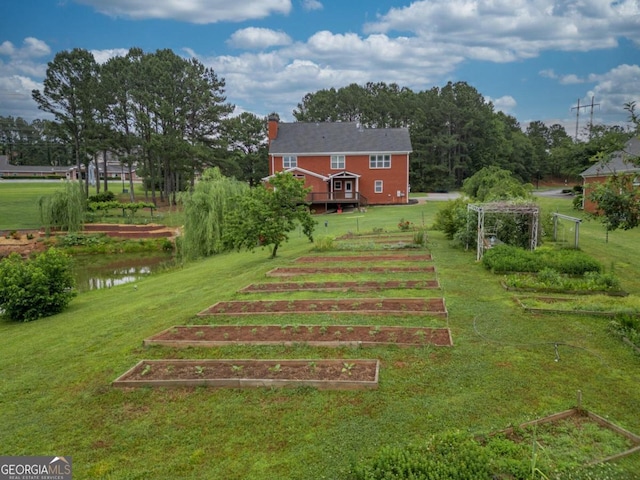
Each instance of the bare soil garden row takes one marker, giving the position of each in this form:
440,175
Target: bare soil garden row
364,258
405,306
339,286
181,336
341,374
293,271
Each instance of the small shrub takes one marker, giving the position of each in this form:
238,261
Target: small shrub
167,245
420,237
107,196
404,225
31,289
324,243
452,218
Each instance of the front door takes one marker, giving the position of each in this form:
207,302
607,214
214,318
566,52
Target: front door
348,189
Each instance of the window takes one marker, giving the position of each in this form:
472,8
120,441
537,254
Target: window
377,186
337,162
380,161
337,185
289,161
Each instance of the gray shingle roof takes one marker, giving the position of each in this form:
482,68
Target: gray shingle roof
338,138
6,167
619,162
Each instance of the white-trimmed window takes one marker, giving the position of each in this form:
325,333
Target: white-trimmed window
377,186
337,184
337,162
380,161
289,161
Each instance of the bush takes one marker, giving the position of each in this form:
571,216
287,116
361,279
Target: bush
324,243
107,196
31,289
452,218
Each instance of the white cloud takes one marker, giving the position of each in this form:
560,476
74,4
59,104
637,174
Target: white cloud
193,11
15,97
570,80
549,73
31,48
7,48
23,60
507,30
615,88
102,56
277,80
258,38
312,5
504,104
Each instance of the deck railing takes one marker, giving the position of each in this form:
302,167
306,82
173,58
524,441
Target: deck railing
337,197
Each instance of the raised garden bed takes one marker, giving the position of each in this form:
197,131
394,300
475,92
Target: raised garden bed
343,374
594,435
403,306
339,286
573,306
612,293
314,335
292,272
364,258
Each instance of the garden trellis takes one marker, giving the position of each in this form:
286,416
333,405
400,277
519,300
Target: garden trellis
576,222
482,210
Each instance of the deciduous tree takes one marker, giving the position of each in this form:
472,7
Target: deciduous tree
267,215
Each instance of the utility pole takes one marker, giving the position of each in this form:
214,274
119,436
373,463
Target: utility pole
577,109
591,118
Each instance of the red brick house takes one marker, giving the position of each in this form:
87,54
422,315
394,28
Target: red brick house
344,164
622,162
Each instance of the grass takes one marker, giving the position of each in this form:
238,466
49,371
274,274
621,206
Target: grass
56,398
20,211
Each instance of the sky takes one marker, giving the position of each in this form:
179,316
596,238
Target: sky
533,59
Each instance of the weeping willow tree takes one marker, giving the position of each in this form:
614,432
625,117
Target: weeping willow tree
204,211
64,210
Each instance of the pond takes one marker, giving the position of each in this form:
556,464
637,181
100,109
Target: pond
105,271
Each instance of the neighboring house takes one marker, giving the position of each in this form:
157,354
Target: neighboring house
11,171
621,162
115,171
344,164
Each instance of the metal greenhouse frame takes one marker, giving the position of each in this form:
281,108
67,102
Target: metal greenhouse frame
503,207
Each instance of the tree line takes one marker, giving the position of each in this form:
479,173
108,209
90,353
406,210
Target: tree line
169,116
163,113
455,132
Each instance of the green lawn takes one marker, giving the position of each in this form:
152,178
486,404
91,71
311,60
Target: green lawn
19,205
56,398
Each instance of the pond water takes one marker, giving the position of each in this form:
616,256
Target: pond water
105,271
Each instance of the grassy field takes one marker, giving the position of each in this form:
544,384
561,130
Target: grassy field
56,398
19,205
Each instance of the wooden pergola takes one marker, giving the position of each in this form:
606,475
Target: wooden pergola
484,243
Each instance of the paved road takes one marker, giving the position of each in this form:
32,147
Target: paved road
442,197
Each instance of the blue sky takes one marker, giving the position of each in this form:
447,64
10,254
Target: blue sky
532,58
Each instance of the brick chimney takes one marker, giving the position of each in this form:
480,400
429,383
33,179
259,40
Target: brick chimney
274,119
